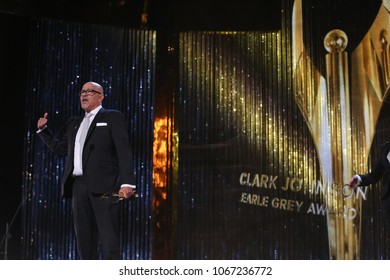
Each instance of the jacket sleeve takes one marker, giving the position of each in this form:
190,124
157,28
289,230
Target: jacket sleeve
57,146
377,173
374,176
123,150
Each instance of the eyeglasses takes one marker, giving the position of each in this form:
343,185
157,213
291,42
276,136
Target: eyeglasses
88,92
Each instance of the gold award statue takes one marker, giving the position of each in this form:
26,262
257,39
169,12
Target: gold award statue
342,118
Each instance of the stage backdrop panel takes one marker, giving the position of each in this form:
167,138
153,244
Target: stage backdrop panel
246,160
62,57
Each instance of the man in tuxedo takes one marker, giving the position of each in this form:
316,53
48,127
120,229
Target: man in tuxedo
98,165
381,171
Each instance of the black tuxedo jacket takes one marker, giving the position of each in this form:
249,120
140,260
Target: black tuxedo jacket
381,171
107,156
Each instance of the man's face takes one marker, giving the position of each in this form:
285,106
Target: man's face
91,96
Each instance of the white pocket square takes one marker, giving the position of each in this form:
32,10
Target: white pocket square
101,124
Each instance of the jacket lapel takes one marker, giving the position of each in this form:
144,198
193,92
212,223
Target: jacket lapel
92,127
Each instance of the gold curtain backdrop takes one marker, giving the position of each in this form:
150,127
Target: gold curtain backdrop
247,163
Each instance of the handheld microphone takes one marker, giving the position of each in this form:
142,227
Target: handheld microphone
133,196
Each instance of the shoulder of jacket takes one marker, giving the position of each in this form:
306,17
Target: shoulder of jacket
108,111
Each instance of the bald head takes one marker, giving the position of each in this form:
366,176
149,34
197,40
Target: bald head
94,86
